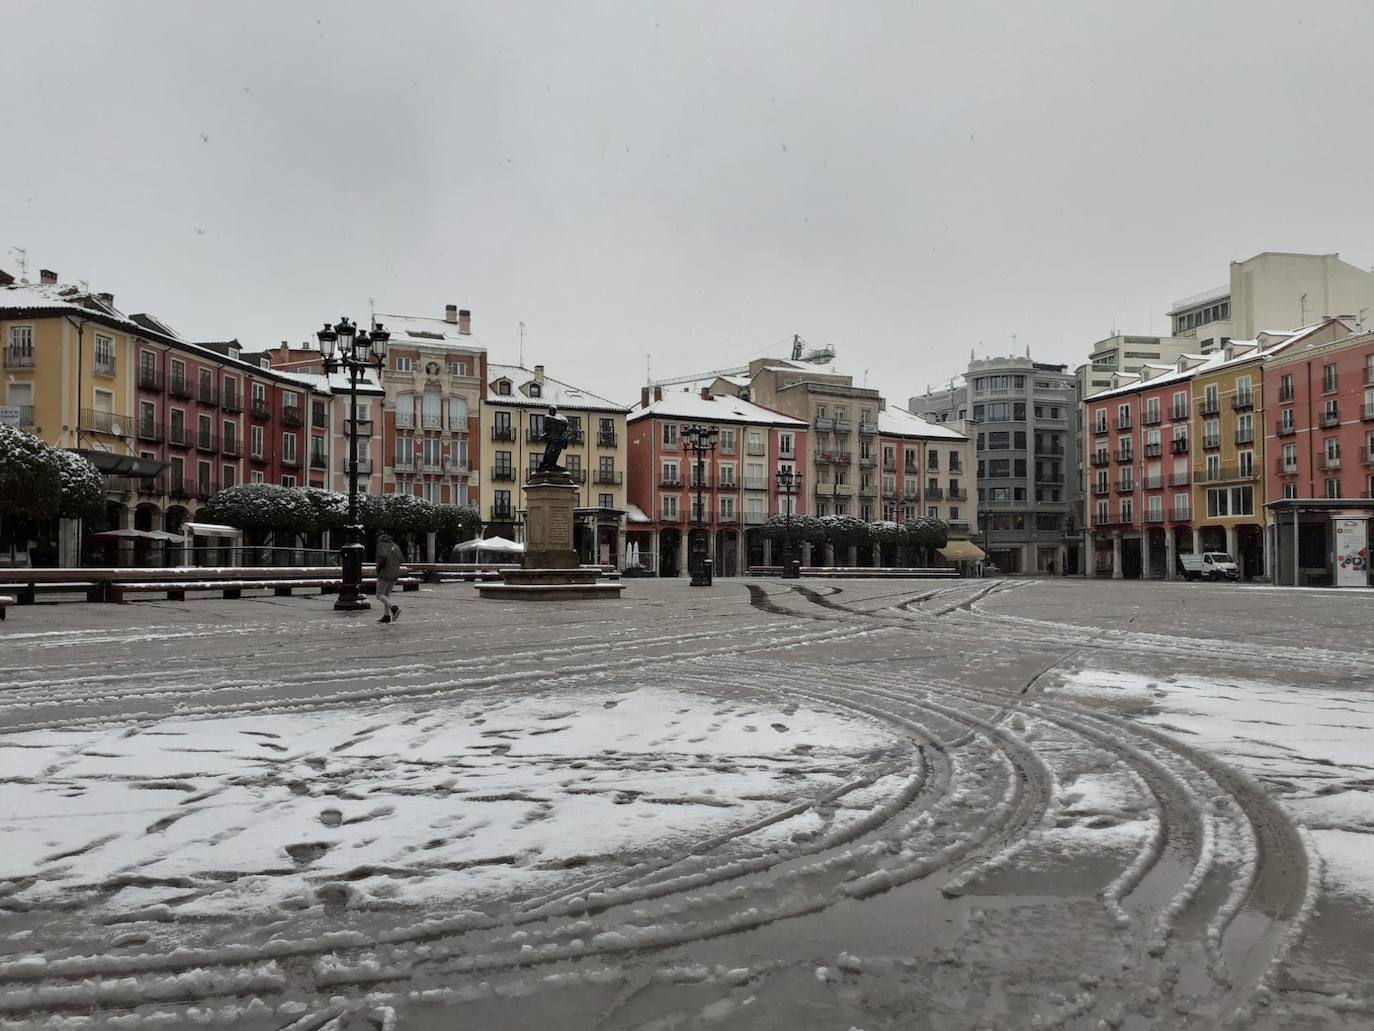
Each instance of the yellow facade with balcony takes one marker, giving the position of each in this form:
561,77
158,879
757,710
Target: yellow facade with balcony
1227,443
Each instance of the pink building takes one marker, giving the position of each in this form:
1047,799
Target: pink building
1320,442
738,480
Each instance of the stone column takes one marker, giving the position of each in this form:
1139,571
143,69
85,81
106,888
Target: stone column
654,562
1145,556
432,547
619,557
1061,560
852,558
829,554
1197,541
877,550
1231,541
1170,556
768,551
682,567
1090,559
1116,556
1030,558
69,542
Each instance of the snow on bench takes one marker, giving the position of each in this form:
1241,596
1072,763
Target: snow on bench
176,589
5,602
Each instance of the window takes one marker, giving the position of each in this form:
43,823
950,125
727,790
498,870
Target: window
1211,398
177,429
1181,506
504,467
147,418
670,474
727,441
727,508
256,476
1245,391
288,481
1329,378
288,447
1285,388
1123,416
1223,502
785,445
104,355
230,435
1333,488
1213,467
1331,412
1290,458
1332,452
1211,433
820,412
404,363
204,438
1101,420
536,390
1181,405
727,475
1290,490
605,500
228,476
259,394
670,510
1152,410
501,503
458,368
670,434
503,388
21,346
1245,428
1245,461
256,440
1127,510
458,414
1286,423
430,410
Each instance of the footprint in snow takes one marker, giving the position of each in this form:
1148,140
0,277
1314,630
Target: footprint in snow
331,817
781,728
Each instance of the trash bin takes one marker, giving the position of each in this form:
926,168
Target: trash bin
708,569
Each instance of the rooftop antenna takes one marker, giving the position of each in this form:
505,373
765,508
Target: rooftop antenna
648,373
1302,310
1359,318
21,259
521,361
372,311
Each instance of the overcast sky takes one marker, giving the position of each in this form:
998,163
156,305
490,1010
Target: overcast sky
696,182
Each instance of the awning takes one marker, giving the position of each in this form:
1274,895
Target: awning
122,465
141,535
211,530
493,544
963,551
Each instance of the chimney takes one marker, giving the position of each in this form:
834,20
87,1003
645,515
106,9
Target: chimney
450,313
658,393
706,393
105,298
47,276
464,321
643,397
539,374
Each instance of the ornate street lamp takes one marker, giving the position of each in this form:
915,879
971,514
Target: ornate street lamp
789,484
344,348
700,440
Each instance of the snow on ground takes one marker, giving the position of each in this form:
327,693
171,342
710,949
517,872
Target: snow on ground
456,801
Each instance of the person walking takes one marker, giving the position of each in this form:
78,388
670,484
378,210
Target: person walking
389,560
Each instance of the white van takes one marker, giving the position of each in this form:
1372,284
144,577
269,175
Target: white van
1210,565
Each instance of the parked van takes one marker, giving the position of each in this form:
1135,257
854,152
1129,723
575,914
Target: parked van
1210,565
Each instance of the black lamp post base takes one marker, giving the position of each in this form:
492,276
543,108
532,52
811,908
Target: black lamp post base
351,603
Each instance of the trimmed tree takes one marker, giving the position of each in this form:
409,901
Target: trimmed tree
30,482
82,486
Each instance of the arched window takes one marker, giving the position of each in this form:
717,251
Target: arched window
431,419
458,414
405,411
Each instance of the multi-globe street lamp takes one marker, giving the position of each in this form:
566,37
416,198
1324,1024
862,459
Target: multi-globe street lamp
344,348
701,440
789,485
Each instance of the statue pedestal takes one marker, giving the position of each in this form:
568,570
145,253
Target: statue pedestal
550,570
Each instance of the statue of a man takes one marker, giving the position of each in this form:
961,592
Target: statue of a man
555,438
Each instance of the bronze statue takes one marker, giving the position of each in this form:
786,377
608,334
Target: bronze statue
555,438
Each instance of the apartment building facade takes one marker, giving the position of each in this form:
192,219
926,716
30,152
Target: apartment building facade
1319,431
737,481
1026,440
512,421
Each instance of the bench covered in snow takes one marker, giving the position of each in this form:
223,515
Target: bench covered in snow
5,602
176,589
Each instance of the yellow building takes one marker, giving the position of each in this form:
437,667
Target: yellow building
513,412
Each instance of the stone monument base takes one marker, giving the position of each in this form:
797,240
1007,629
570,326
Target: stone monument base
550,570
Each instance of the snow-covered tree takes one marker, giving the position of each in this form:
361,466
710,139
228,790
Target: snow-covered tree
30,482
83,488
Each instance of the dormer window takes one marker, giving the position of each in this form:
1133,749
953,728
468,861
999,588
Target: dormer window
536,390
503,388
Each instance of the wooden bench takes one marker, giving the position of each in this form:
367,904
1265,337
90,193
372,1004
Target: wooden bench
231,589
5,602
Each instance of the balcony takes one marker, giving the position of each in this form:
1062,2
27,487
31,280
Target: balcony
834,490
1330,419
319,460
179,488
755,483
727,484
1125,456
362,428
1151,419
291,415
1125,486
727,517
207,395
1183,514
501,513
1178,415
842,425
149,378
180,388
1180,479
889,466
1245,436
1210,406
1101,429
111,423
755,449
867,429
202,490
232,401
25,414
1241,402
1101,459
177,435
1367,455
1285,429
1368,414
207,442
824,424
1331,461
291,461
406,421
104,365
1285,395
150,431
1153,450
498,433
20,357
1179,445
1101,488
842,457
755,518
1211,442
868,491
670,481
261,456
670,514
910,493
607,440
911,470
431,421
610,477
503,474
958,494
1284,467
934,493
1123,424
825,457
1110,519
260,410
364,466
233,448
867,462
1154,516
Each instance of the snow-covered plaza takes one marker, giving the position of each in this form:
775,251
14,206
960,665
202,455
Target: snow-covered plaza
819,805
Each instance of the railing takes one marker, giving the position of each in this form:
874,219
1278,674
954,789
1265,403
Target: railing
670,481
1330,419
261,456
1367,455
611,477
1211,442
149,430
1151,418
232,448
1284,467
889,467
867,429
1125,486
505,433
502,512
1183,514
503,474
431,422
149,378
406,421
958,495
843,425
294,461
404,465
727,484
1180,479
825,456
1245,436
319,460
533,436
670,515
178,436
1123,424
869,491
1153,450
105,366
1101,428
1331,461
181,388
755,483
364,466
1210,407
755,449
1242,401
179,488
291,415
1329,385
910,493
1368,414
841,457
911,470
1179,445
1178,414
260,410
1101,459
25,415
1153,516
94,421
932,465
934,493
824,423
1286,395
233,402
206,394
19,357
202,490
1123,456
727,517
1285,429
1101,488
607,440
363,427
1151,482
207,442
755,518
867,462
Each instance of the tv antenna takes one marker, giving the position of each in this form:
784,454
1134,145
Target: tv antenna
21,260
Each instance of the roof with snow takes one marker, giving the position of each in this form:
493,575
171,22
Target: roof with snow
551,391
898,422
426,332
689,404
335,382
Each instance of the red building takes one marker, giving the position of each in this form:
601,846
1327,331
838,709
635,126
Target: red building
736,482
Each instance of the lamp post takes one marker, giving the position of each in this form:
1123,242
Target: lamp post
344,348
700,440
789,483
